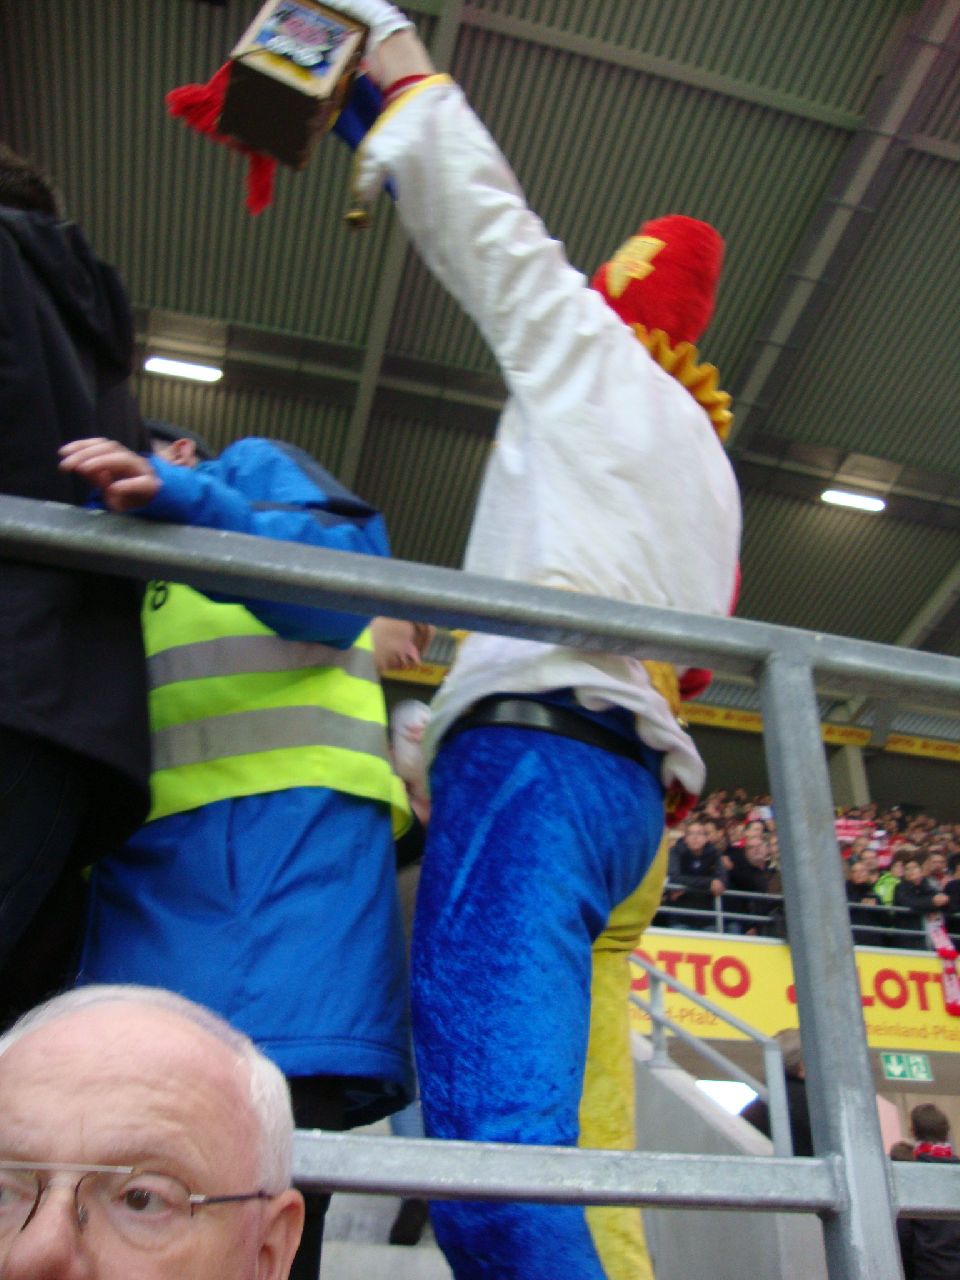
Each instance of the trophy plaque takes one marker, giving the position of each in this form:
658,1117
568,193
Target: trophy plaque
290,75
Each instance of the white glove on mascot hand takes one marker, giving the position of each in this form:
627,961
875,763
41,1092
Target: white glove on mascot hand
382,18
408,721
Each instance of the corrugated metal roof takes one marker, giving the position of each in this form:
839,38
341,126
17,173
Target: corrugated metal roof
854,388
162,204
813,50
426,478
225,414
944,118
845,572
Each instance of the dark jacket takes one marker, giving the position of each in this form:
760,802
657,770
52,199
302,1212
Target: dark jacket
744,877
695,872
867,922
917,898
930,1247
71,653
758,1114
952,909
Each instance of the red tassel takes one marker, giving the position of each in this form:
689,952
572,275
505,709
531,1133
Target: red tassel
200,106
260,174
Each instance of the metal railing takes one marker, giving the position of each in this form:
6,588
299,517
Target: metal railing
849,1182
773,1092
883,924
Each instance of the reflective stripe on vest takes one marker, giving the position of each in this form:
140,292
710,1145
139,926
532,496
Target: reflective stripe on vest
236,655
235,710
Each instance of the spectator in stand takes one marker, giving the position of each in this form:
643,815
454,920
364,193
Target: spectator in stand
930,1247
870,863
861,896
736,831
758,1114
886,883
773,849
849,826
716,833
935,869
749,872
889,837
901,1150
857,848
920,897
712,808
952,909
74,747
697,874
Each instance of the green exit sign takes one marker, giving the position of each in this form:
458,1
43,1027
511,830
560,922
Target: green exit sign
906,1066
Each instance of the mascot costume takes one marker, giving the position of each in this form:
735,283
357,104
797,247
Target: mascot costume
553,769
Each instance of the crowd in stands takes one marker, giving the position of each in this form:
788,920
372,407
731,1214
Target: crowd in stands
724,873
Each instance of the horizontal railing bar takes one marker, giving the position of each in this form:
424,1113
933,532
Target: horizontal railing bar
741,917
54,533
563,1175
927,1190
703,1047
709,913
704,1001
727,893
890,909
684,913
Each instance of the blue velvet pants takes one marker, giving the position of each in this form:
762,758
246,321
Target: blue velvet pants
533,840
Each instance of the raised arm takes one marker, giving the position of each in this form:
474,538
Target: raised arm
258,488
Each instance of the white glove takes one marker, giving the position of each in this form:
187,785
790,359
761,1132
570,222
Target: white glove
408,720
382,18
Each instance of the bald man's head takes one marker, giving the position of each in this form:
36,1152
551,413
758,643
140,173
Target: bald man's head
140,1080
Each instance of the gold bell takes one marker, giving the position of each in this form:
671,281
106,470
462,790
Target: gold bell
358,217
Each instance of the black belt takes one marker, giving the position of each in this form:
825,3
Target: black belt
522,713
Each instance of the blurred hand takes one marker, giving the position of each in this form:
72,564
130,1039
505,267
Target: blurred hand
125,480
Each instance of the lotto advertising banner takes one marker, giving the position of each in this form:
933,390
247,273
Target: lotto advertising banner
901,992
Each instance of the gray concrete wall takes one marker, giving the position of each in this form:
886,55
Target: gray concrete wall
674,1115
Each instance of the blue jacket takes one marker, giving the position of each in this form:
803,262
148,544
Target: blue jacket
278,911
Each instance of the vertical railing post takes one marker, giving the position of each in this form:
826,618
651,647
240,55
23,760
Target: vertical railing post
860,1241
777,1104
659,1032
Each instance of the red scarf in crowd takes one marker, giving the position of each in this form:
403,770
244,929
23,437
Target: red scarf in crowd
935,1150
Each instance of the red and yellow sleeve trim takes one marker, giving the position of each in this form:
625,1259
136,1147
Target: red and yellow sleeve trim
358,215
405,96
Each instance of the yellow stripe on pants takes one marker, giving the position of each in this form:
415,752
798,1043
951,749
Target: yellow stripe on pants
607,1111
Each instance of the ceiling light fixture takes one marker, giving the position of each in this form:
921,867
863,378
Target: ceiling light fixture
183,369
859,501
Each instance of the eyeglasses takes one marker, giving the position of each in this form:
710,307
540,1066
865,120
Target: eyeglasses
147,1210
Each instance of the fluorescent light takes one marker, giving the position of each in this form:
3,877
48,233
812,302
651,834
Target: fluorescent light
732,1095
859,501
183,369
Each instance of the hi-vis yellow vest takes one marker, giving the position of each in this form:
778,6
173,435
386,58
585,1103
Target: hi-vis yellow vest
237,711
